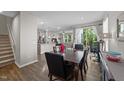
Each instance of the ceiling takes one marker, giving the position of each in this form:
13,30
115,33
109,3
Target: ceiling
9,13
57,20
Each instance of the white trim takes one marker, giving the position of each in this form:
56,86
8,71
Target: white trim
23,65
17,64
12,40
42,52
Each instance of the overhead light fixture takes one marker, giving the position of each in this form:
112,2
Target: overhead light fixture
82,18
58,28
46,29
41,23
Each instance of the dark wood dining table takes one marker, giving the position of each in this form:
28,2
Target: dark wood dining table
73,56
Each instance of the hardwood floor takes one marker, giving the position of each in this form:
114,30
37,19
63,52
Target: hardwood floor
39,71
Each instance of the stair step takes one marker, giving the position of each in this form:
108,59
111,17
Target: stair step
5,48
4,39
4,42
4,36
5,52
3,57
7,60
5,64
8,55
5,45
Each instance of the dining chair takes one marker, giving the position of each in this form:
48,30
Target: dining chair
58,68
83,64
86,58
78,46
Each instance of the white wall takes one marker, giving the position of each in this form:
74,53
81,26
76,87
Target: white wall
3,25
112,29
16,37
25,36
28,38
46,48
78,33
99,31
114,44
105,25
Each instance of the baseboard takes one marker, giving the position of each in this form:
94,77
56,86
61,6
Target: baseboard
17,64
23,65
42,52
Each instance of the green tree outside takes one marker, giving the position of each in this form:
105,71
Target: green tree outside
89,36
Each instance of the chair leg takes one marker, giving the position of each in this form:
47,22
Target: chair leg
50,77
87,65
90,56
48,74
84,69
81,74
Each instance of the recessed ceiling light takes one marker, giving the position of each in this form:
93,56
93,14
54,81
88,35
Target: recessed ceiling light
46,29
82,18
58,28
41,23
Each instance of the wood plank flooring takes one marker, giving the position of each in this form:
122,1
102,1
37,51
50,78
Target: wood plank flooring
39,71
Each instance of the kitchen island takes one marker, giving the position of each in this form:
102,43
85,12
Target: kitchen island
46,47
111,70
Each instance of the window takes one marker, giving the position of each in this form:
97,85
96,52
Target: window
89,36
68,37
122,27
79,35
82,39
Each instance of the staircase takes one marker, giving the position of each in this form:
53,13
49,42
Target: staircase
6,53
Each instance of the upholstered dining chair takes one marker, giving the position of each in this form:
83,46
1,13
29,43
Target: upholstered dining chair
86,63
58,68
83,64
78,46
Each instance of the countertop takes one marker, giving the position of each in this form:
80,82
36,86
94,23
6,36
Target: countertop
116,68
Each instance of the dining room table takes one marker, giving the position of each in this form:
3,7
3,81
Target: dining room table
73,56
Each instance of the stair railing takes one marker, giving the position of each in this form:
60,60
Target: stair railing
12,39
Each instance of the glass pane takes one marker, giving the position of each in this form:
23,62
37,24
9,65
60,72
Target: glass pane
68,37
122,27
89,36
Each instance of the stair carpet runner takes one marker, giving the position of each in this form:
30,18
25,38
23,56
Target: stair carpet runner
6,53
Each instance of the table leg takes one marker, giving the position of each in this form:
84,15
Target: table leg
76,72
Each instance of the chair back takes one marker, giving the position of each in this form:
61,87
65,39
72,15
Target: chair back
79,46
55,64
87,51
95,47
84,58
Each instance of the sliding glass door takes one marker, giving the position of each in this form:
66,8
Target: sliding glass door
89,36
